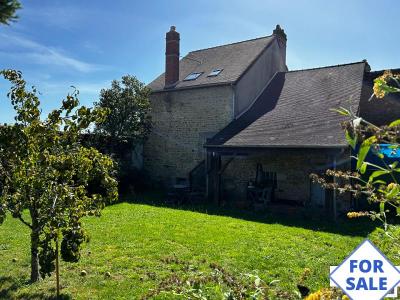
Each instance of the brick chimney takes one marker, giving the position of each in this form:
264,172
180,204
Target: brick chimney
171,58
282,39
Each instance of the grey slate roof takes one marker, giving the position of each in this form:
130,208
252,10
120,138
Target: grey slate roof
234,59
294,110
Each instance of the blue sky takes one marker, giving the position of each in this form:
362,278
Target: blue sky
87,44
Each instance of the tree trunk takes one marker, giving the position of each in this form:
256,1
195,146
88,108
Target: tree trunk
35,276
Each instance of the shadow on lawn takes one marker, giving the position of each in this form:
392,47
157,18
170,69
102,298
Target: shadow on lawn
9,287
303,218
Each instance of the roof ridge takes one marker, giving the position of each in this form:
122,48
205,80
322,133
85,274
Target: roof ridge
234,43
325,67
383,70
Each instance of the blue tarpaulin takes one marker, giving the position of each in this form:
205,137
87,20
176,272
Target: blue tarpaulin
389,151
390,155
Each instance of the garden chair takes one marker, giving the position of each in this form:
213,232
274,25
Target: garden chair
197,195
262,198
179,192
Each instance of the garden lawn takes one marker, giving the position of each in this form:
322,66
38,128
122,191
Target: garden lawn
138,244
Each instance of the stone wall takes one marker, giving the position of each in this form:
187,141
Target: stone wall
182,120
292,168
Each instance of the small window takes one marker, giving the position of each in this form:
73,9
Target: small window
193,76
214,72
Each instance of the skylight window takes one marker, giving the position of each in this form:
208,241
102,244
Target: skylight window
193,76
214,72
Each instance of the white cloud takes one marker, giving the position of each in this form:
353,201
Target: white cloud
83,87
41,54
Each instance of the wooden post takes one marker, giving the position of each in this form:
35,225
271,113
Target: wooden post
208,172
334,190
217,179
57,268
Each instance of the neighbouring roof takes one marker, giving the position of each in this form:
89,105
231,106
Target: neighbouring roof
295,110
234,59
379,111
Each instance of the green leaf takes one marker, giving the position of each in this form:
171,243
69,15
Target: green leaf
382,207
395,123
363,168
352,141
393,192
341,110
398,210
364,149
274,282
376,174
390,89
362,154
370,141
379,182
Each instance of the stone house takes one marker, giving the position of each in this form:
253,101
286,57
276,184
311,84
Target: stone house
226,111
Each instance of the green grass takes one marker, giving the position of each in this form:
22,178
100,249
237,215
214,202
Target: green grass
132,242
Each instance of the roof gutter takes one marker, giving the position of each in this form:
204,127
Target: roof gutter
335,146
193,87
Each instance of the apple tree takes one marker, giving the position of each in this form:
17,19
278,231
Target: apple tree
48,179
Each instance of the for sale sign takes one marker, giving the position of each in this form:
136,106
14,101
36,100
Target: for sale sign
366,274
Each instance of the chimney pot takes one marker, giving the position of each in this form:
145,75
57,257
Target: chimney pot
282,40
278,31
172,58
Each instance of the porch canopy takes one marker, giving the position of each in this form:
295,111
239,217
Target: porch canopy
294,111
